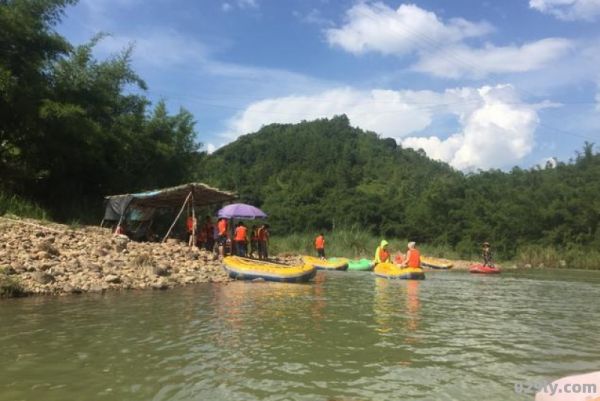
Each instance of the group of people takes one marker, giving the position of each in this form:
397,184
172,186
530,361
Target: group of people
234,242
412,258
382,254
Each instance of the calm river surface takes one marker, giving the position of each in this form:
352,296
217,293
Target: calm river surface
347,336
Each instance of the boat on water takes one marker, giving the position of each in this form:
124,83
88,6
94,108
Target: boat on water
251,269
479,268
436,263
392,271
360,264
327,264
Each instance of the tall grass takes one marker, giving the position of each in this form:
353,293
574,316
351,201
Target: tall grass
9,287
573,258
13,204
351,243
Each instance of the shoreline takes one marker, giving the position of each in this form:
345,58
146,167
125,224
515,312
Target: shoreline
45,258
41,258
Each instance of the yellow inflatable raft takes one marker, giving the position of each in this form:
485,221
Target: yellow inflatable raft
392,271
436,263
249,269
330,264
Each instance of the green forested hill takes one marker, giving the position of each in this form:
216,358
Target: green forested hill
74,129
326,174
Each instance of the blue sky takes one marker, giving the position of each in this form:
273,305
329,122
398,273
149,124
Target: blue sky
478,84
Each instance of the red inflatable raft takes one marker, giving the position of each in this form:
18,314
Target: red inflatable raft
481,269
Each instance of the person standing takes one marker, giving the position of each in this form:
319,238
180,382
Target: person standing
254,241
486,254
208,230
263,242
222,235
320,246
191,224
413,256
241,239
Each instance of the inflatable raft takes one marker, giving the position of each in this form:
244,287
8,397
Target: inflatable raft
481,269
329,264
361,265
249,269
436,263
391,271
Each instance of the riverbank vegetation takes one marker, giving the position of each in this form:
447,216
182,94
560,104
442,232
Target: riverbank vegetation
74,128
328,175
9,286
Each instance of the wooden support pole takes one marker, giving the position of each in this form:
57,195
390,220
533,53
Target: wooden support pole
177,218
193,241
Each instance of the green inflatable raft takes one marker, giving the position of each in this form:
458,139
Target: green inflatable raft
361,265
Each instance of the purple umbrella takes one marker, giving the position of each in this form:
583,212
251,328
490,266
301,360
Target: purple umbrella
241,211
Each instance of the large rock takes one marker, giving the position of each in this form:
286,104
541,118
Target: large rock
160,284
42,278
112,279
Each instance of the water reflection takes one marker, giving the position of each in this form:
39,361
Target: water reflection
397,308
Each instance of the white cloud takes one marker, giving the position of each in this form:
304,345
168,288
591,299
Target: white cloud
460,61
241,4
247,3
173,48
497,129
497,133
568,10
377,27
210,148
314,17
440,46
390,113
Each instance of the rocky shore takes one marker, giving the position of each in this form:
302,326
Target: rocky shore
47,258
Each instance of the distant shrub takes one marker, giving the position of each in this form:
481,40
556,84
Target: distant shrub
10,287
13,204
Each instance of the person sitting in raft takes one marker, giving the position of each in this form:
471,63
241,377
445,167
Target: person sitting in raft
413,257
382,255
486,254
320,246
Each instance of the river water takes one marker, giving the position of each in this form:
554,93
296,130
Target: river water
346,336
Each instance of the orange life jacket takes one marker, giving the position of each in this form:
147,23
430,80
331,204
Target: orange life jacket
263,234
320,242
191,222
384,255
240,233
222,226
414,258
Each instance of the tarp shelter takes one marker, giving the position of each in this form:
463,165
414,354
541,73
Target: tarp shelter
143,203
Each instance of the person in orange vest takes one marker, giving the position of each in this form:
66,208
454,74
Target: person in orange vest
208,230
222,235
254,241
241,239
382,255
191,229
320,246
413,256
263,242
